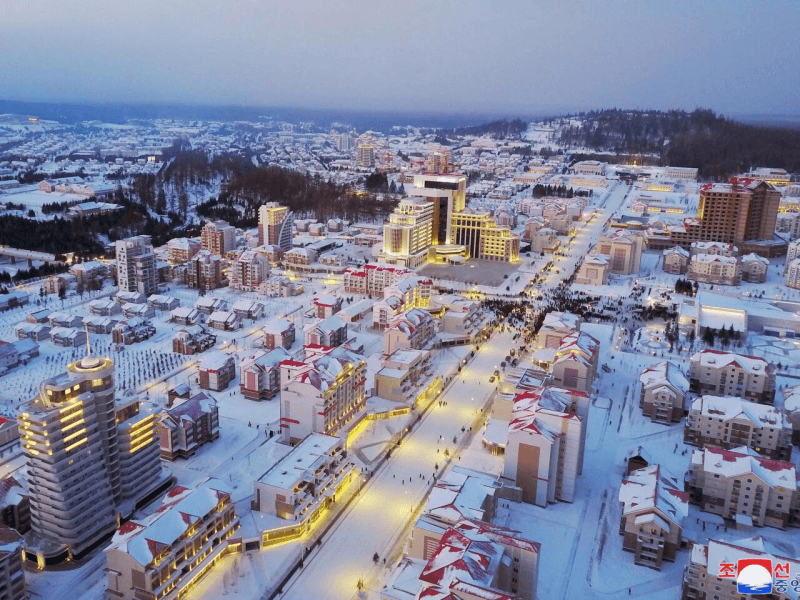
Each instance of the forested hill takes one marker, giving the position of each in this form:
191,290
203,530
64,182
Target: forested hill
498,129
719,147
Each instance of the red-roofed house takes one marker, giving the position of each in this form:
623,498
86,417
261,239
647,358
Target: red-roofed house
412,329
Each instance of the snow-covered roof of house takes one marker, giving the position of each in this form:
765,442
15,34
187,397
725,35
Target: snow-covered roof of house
715,245
713,258
222,316
145,539
462,558
662,373
215,360
653,488
579,341
277,326
791,399
561,321
323,364
301,461
498,533
747,258
327,300
676,250
262,359
554,401
728,408
183,312
716,359
730,463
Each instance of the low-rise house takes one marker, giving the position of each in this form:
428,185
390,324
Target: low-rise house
278,333
59,319
404,374
124,297
676,260
164,303
740,485
13,300
68,337
247,309
99,324
142,311
654,507
224,320
733,422
412,329
216,371
162,555
188,425
184,315
208,305
259,374
731,374
306,480
38,332
104,307
192,339
329,332
278,287
132,331
38,316
663,393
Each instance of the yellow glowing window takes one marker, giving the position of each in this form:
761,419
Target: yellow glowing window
97,382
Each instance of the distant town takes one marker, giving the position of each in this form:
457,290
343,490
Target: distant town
282,360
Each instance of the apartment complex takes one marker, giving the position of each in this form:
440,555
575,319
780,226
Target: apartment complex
248,271
730,374
732,422
676,260
719,270
259,375
136,266
663,392
654,506
403,375
373,279
705,576
162,555
218,237
544,451
412,329
754,268
307,479
181,249
278,333
740,485
322,393
88,461
204,271
275,224
575,364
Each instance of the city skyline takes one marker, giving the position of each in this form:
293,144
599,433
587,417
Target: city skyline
518,59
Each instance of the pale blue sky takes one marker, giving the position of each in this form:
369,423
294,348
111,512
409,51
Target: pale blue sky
734,56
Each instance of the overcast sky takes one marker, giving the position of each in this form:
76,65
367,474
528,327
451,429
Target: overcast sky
520,57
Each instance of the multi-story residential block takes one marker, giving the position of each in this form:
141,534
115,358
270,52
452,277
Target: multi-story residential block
218,238
593,270
720,270
706,577
556,326
404,375
325,305
544,450
204,271
277,286
654,506
162,555
462,317
260,374
793,274
366,156
12,576
306,480
663,393
732,422
216,371
373,279
744,487
754,268
730,374
676,260
415,292
411,329
275,224
84,472
189,425
136,266
623,249
575,364
791,408
248,271
278,333
181,249
322,393
385,310
193,339
328,332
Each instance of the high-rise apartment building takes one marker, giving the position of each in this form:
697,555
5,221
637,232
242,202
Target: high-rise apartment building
218,237
366,156
136,265
89,462
249,270
275,224
408,234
